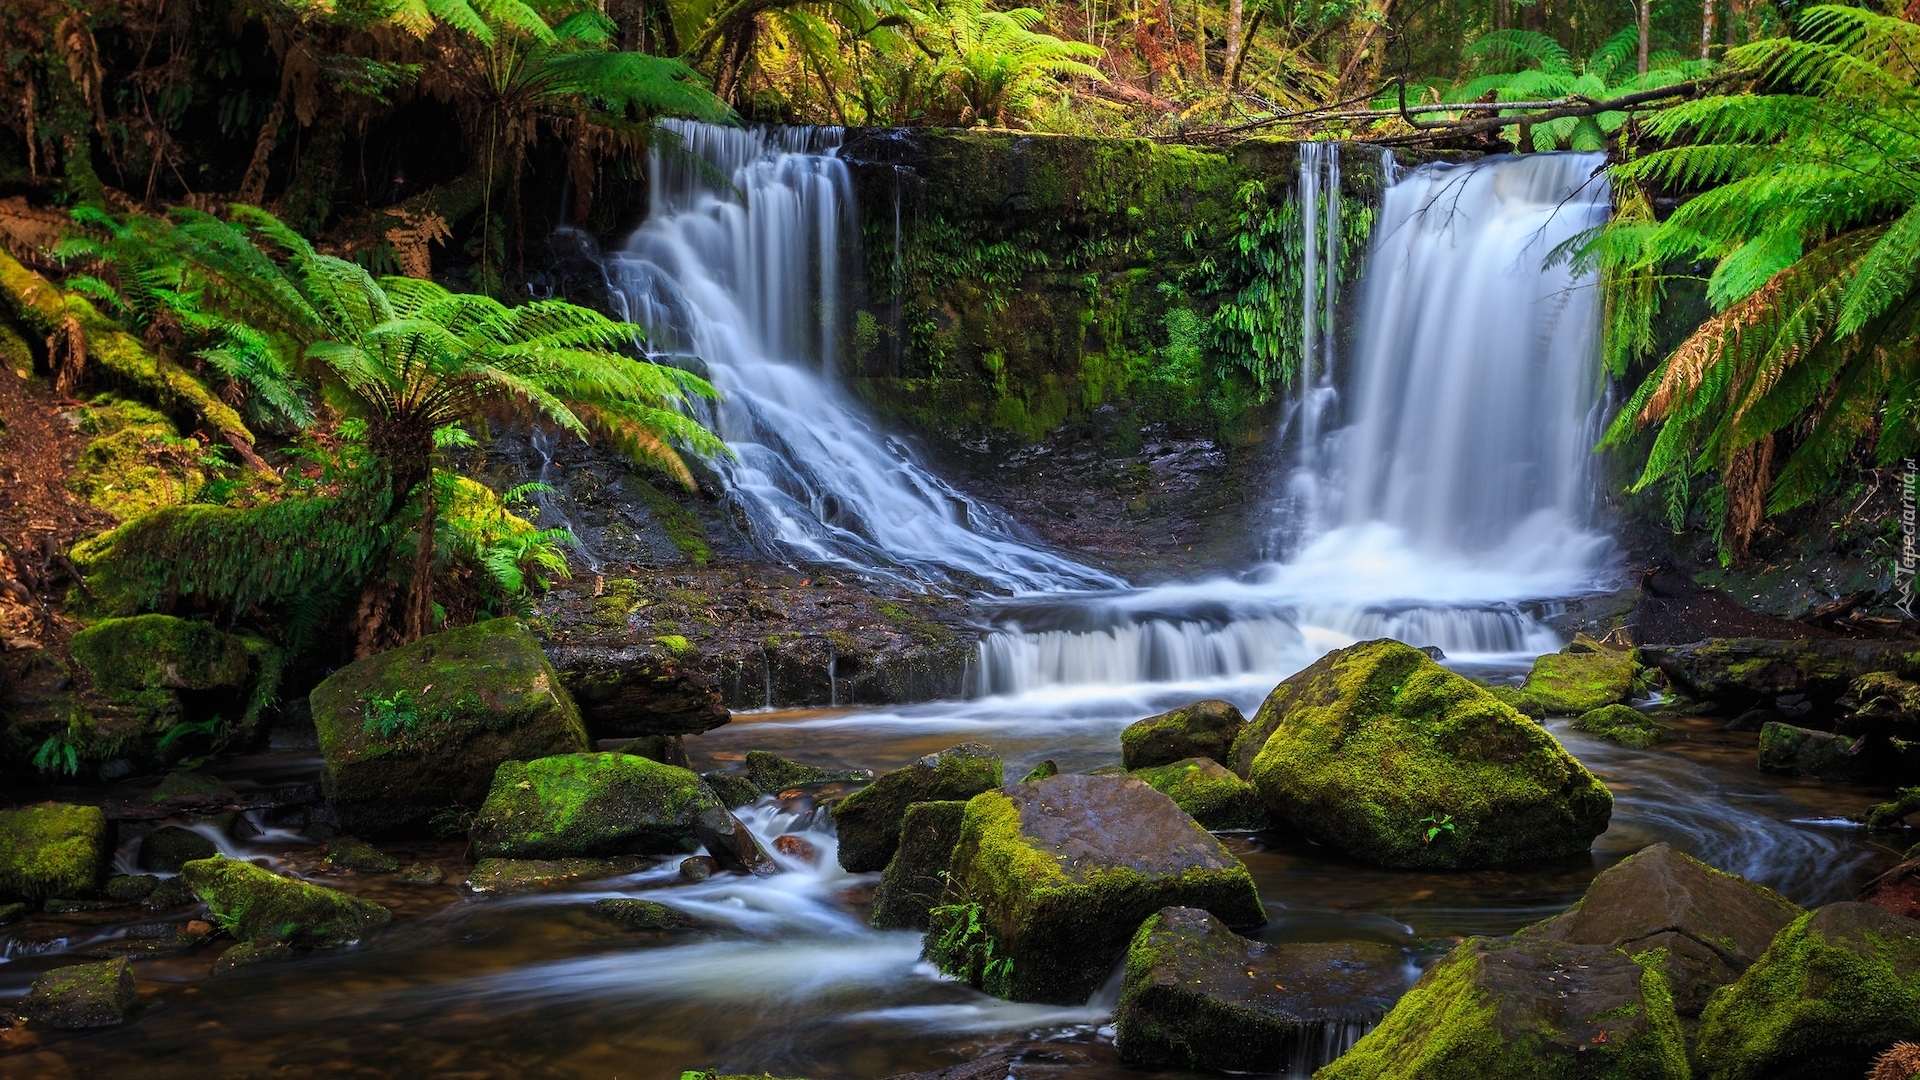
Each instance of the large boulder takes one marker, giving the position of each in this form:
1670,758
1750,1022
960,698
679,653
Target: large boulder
253,903
868,821
1739,673
139,666
912,882
82,996
1711,926
575,805
418,731
1798,751
1202,729
1197,995
55,849
1203,787
1523,1008
633,689
1381,753
1584,676
1837,986
1052,877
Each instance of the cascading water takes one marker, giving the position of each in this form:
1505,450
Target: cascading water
737,269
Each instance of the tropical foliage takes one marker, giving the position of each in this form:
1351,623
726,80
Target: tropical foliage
1526,65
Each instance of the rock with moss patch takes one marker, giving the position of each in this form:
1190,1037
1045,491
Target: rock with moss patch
248,954
732,789
573,805
419,731
1203,787
131,888
1623,724
1584,676
1710,926
1738,673
1836,987
642,914
1381,753
626,689
160,650
352,853
1197,995
868,821
55,849
170,847
770,773
912,882
135,460
1050,879
1046,768
12,913
1202,729
1798,751
82,996
190,787
255,904
522,875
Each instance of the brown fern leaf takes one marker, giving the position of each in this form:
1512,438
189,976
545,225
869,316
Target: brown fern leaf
1707,347
1901,1061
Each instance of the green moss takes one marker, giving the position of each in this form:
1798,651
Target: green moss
1202,729
682,526
642,914
54,850
521,875
1623,724
136,460
82,996
674,644
590,804
252,903
1204,788
160,650
1799,751
1579,680
868,821
771,773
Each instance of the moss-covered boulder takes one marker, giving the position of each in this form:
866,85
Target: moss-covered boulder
1204,788
136,459
1196,995
1738,673
1051,878
1836,987
82,996
1709,926
253,903
573,805
170,847
55,849
160,650
1203,729
1798,751
771,774
353,853
1623,724
868,821
1584,676
418,731
1526,1009
1381,753
911,884
642,914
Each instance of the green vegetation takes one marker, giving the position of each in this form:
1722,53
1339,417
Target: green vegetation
590,804
56,850
251,903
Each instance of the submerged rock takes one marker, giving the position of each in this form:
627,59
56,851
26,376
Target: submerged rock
1203,787
417,731
1197,995
913,881
1584,676
170,847
642,914
1836,987
868,821
1380,752
1202,729
574,805
520,875
1624,725
1799,751
55,849
248,954
82,996
350,853
254,904
1050,879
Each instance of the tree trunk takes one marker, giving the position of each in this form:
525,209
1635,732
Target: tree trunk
1706,29
309,199
1502,14
1236,10
1246,43
1646,30
420,590
253,186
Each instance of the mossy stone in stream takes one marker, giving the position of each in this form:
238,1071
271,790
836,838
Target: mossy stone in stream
732,789
1798,751
1203,787
868,821
82,996
170,847
521,875
255,904
1051,878
351,853
912,882
770,773
572,805
1202,729
1584,676
1836,987
642,914
1381,753
56,849
1623,724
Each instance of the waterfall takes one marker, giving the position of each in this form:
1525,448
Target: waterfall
736,272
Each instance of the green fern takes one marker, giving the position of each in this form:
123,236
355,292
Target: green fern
1525,65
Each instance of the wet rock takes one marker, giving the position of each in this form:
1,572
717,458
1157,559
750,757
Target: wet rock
1042,771
131,888
642,914
54,849
1890,815
154,939
418,731
82,996
699,867
190,787
1197,995
170,893
732,789
1739,673
573,805
423,874
1203,787
12,913
912,882
61,906
253,903
1835,988
1202,729
1755,719
771,774
170,847
1710,925
252,954
1798,751
1584,676
1375,746
732,844
1523,1008
1896,891
522,875
349,853
868,821
665,749
1624,725
794,847
1050,879
627,689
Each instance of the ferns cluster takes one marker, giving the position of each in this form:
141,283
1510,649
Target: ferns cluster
1526,65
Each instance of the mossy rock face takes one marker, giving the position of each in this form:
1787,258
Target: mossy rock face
1710,926
351,853
1197,995
1623,724
1050,879
1837,986
1579,679
1736,673
1526,1009
1375,745
53,850
1798,751
770,773
733,789
82,996
912,883
252,903
160,650
573,805
1202,729
1203,787
170,847
868,821
137,461
634,690
465,700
